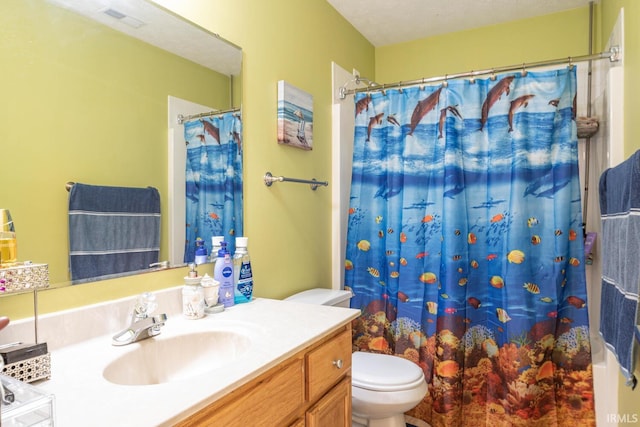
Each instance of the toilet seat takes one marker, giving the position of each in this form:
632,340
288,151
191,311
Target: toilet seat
383,372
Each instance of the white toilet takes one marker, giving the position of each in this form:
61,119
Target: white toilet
383,387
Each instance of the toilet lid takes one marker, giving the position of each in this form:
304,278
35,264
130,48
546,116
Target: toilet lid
383,372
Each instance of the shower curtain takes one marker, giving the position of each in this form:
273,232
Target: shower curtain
465,247
213,181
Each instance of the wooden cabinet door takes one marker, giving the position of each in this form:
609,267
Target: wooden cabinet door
334,409
328,363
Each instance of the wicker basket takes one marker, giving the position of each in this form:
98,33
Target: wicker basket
29,370
24,277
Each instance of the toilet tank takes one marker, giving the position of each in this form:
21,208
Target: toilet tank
322,296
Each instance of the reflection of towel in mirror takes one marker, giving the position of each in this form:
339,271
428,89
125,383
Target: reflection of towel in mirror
620,214
112,230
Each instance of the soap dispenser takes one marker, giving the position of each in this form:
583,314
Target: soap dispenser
192,295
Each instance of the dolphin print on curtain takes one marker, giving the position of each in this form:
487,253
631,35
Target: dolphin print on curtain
465,247
213,181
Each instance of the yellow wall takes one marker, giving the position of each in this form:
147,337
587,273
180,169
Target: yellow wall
548,37
288,225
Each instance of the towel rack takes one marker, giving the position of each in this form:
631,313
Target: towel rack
270,179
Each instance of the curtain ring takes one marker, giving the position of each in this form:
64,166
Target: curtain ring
493,75
445,83
570,64
523,73
472,80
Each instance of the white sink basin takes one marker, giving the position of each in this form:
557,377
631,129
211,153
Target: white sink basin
160,360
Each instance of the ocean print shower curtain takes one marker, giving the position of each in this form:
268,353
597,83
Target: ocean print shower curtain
465,247
213,181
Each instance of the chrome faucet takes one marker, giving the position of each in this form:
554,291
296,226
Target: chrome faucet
143,325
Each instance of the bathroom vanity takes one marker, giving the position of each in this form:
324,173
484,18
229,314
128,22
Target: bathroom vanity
267,362
311,388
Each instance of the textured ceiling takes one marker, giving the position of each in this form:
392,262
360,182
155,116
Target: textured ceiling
385,22
145,21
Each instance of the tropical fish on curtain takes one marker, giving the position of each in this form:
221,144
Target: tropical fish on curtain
213,180
465,247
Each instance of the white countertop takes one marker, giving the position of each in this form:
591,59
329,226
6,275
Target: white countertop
277,329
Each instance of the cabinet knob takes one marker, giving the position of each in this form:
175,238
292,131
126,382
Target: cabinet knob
337,363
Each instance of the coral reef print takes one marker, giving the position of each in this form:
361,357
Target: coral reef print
465,249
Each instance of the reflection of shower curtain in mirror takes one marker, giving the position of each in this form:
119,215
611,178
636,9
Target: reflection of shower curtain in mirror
465,251
213,180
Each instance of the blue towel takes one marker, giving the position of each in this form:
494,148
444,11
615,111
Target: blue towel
620,214
112,230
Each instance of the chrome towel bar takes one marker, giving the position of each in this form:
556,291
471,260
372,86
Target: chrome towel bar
270,179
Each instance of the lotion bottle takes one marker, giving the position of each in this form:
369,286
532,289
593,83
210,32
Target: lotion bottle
223,273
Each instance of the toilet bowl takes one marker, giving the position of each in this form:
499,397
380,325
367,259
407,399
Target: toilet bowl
383,387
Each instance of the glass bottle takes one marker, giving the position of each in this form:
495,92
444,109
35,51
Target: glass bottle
192,298
8,242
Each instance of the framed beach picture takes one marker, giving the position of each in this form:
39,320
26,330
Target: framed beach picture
295,116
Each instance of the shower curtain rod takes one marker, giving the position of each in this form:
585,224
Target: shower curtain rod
613,54
182,119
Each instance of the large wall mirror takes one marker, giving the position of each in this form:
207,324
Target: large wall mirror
85,88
